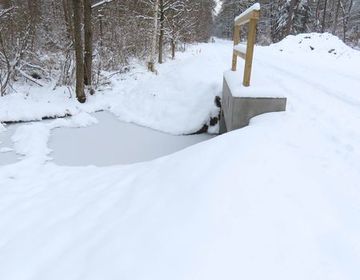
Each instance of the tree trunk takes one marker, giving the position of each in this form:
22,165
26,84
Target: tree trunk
317,14
88,44
290,20
151,63
68,20
346,19
79,53
34,14
173,48
101,47
336,17
161,36
324,18
4,4
272,22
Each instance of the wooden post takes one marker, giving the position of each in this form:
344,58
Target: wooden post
236,37
249,52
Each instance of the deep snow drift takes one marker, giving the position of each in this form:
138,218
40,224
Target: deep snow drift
279,199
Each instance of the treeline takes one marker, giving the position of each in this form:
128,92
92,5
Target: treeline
75,40
280,18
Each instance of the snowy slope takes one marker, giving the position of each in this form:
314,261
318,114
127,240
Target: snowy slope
279,199
179,100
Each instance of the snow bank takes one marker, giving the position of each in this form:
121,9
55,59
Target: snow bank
316,43
262,85
179,100
279,199
31,140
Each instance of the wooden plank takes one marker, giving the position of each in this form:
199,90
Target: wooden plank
249,52
248,11
240,54
236,37
240,50
247,18
240,47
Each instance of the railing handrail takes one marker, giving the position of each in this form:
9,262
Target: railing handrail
251,12
251,17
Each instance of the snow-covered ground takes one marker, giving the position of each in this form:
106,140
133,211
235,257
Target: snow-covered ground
279,199
179,100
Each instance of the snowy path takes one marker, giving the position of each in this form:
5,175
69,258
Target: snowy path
277,200
325,97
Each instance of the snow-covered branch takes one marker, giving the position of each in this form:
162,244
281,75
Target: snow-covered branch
28,77
101,3
4,12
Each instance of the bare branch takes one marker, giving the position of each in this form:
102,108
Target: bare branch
4,12
100,3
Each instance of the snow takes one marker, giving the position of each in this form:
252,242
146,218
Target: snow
116,143
262,84
179,100
240,48
7,156
5,150
278,199
31,140
254,7
323,45
218,7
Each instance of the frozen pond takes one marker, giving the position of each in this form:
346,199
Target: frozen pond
107,143
114,142
7,155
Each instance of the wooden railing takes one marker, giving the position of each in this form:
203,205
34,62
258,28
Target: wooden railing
246,51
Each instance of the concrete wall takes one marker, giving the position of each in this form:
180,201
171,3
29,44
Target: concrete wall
237,111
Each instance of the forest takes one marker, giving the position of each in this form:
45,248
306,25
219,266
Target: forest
77,41
41,40
281,18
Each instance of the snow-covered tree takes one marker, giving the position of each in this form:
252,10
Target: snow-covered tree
280,18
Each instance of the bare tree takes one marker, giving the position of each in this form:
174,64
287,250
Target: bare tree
323,25
336,16
346,7
290,20
79,52
88,44
162,9
151,63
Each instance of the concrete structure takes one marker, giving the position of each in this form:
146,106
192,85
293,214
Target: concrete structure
236,112
240,102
